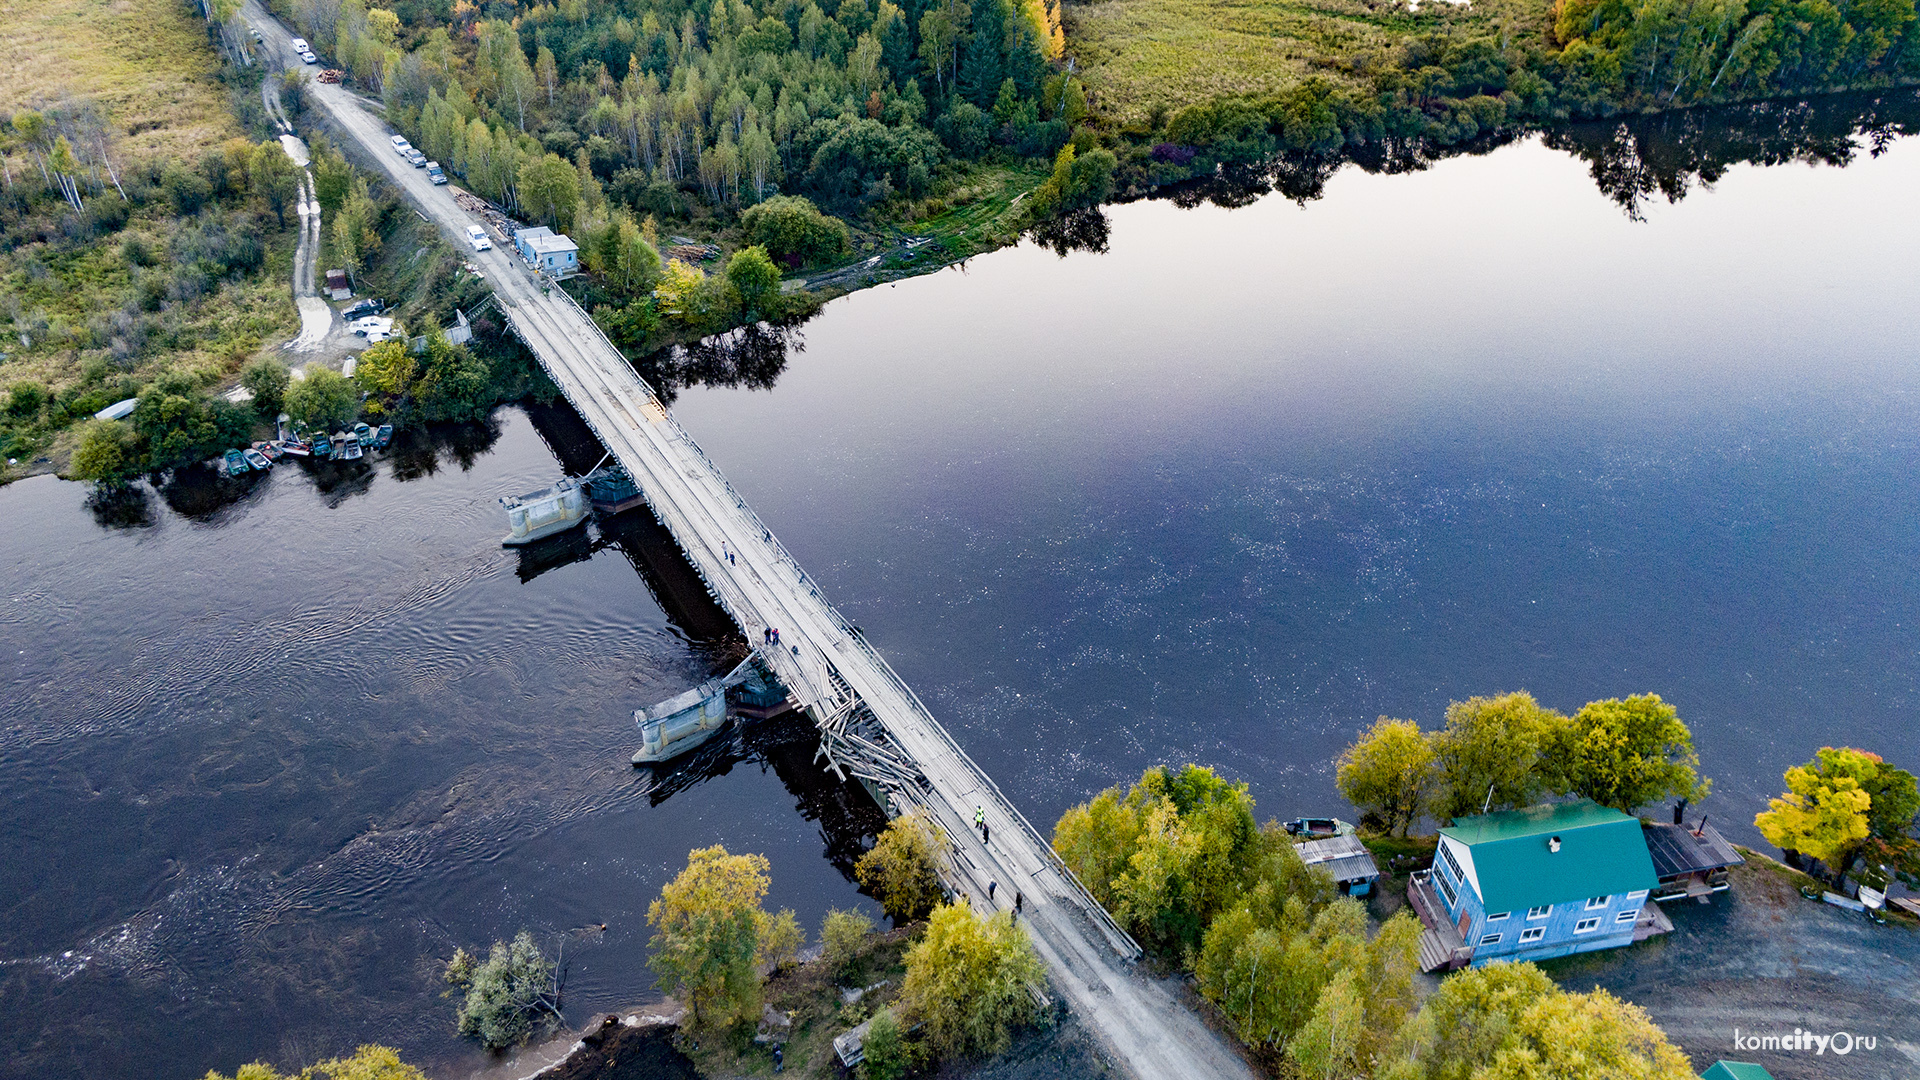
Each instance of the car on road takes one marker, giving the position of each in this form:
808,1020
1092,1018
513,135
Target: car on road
369,306
256,35
309,57
477,236
401,146
416,159
435,173
299,44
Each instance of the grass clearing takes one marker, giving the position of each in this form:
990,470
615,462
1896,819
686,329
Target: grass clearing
1136,55
146,61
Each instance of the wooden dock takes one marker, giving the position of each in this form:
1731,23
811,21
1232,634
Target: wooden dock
872,725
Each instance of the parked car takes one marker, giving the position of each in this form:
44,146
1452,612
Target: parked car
309,57
369,306
416,159
401,146
435,173
299,44
477,236
256,35
369,326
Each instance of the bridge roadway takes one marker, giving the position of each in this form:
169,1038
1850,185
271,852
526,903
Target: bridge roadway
872,724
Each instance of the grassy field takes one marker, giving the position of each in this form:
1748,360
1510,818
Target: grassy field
1136,55
146,61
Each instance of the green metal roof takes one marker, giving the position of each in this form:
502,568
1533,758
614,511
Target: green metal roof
1602,853
1735,1070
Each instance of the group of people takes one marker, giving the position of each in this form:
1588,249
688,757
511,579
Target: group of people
770,636
980,822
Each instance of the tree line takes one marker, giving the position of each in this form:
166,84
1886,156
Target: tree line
1297,972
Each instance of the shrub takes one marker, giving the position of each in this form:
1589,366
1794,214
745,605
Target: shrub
506,993
903,869
842,936
325,399
755,278
886,1052
267,381
794,231
106,454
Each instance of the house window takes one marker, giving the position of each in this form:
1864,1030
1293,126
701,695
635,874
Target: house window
1585,926
1598,902
1532,933
1446,889
1446,853
1490,939
1502,917
1539,912
1627,916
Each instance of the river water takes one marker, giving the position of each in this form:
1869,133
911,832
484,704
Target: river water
1223,492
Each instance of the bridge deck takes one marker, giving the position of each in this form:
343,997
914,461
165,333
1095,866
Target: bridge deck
872,723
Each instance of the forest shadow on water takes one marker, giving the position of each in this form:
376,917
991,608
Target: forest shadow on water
1633,160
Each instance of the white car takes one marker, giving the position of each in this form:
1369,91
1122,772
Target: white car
299,44
401,146
309,57
370,325
477,236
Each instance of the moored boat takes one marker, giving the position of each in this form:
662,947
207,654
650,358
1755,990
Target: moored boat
363,434
613,490
272,450
680,723
382,437
540,514
297,448
235,463
256,459
348,447
322,446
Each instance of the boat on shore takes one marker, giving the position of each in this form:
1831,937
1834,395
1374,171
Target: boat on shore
347,448
382,437
271,450
322,446
256,459
540,514
235,463
363,434
297,448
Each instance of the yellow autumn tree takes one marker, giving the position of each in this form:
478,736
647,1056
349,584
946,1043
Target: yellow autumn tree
970,981
903,869
711,935
1824,811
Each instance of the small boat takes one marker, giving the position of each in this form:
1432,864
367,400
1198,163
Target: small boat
271,450
382,437
540,514
235,463
1316,828
363,434
349,447
257,459
297,448
687,720
322,446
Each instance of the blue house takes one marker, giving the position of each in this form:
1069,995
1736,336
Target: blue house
1533,884
553,252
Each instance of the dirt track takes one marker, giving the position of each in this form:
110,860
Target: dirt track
1763,959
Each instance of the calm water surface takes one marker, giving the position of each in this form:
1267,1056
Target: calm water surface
1224,493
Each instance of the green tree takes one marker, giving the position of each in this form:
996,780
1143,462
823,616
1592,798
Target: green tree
356,226
710,933
1389,773
369,1062
794,231
903,869
267,380
505,995
1492,745
756,279
842,937
970,981
107,454
1328,1046
1626,754
386,374
550,191
1826,809
1464,1024
324,399
886,1051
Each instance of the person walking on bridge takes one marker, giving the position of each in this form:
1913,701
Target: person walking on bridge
980,821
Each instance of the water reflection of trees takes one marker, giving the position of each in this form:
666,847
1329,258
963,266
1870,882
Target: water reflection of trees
1668,155
749,356
121,506
1633,159
1086,229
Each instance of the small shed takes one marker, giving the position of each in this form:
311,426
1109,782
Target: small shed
337,287
1689,860
1735,1070
547,250
1347,859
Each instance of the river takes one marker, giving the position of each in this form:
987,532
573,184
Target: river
1223,492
